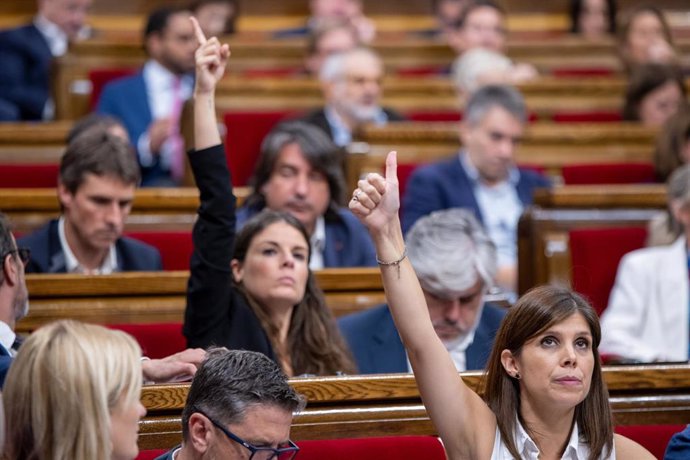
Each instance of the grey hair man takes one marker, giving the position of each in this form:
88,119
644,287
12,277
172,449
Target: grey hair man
351,82
482,176
239,405
455,262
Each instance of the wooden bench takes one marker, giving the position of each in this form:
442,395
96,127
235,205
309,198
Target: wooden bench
160,297
389,405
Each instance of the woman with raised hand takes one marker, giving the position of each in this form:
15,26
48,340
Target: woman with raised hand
544,391
261,295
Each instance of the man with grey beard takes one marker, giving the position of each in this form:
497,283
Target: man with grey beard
352,86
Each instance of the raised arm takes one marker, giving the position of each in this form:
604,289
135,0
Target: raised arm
211,58
464,422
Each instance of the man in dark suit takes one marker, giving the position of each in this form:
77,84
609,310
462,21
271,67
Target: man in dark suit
300,172
239,403
14,305
98,177
482,176
149,103
351,84
455,262
27,53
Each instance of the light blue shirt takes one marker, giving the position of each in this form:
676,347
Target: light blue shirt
342,136
500,207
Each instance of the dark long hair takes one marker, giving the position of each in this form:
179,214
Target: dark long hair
576,7
534,312
314,342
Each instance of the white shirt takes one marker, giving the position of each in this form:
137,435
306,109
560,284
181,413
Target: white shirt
456,348
54,35
7,338
575,450
501,209
160,89
342,135
72,265
318,244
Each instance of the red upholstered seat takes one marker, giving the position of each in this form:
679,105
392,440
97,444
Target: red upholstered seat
245,132
157,340
420,71
587,117
29,175
101,77
565,72
150,454
273,72
595,254
175,247
384,448
654,438
433,115
608,173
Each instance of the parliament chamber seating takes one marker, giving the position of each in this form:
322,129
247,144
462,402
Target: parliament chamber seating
157,340
608,173
379,448
174,246
28,175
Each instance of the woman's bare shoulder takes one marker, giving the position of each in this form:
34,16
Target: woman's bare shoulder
627,448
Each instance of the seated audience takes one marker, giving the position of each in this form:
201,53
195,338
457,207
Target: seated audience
326,11
679,446
216,17
150,103
327,40
455,262
482,24
647,316
447,13
251,290
14,305
654,94
352,87
27,54
239,405
300,172
482,176
478,67
98,177
645,38
593,19
73,392
544,393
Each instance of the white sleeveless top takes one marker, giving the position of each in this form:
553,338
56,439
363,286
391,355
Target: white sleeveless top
528,450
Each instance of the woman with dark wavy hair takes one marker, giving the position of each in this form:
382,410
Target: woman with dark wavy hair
545,396
261,295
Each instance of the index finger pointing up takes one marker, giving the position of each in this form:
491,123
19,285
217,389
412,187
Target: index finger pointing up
201,38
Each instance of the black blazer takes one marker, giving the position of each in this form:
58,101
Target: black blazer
318,118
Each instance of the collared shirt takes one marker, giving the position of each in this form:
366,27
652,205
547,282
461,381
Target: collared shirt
501,209
54,35
342,136
318,244
160,88
7,337
575,450
72,265
457,349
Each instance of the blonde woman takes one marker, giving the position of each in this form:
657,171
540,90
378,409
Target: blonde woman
73,393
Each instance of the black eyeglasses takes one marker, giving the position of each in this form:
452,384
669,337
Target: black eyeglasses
258,453
23,253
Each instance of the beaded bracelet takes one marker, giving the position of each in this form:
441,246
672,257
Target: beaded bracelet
395,263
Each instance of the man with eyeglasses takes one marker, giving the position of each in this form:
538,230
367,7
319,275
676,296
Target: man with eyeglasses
455,262
351,82
239,406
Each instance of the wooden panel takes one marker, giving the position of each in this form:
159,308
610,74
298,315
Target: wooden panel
389,405
602,196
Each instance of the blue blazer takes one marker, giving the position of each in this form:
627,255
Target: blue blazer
377,348
348,243
47,255
679,446
25,72
446,185
127,100
5,362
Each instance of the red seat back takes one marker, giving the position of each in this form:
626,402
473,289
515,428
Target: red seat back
150,454
594,116
157,340
245,132
654,438
175,247
433,115
384,448
595,254
101,77
29,175
608,173
565,72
